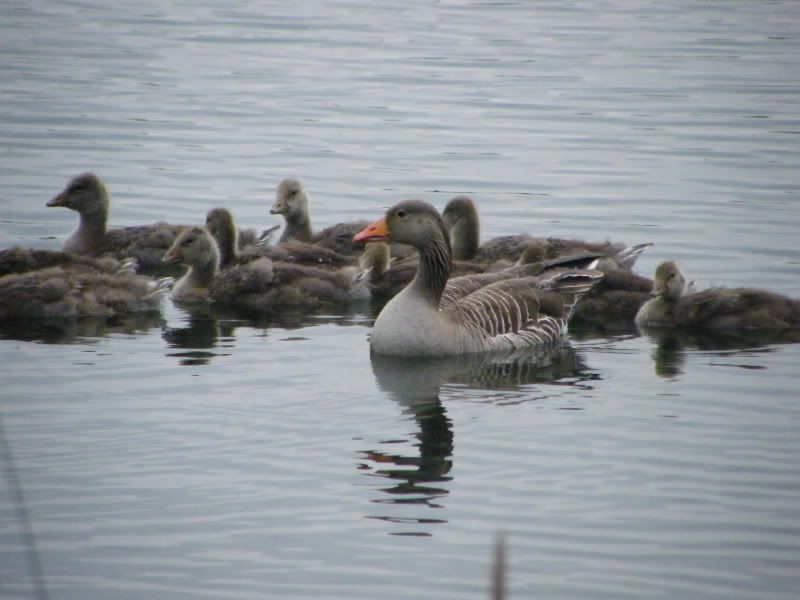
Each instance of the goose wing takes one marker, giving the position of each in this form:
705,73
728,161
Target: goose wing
525,310
460,287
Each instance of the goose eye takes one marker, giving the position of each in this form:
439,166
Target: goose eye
401,213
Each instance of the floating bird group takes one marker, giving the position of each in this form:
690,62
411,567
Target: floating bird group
445,292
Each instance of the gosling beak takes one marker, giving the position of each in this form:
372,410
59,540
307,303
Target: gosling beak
375,232
278,210
57,201
171,257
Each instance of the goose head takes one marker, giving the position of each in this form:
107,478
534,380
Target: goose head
411,222
291,200
84,194
670,281
193,247
460,217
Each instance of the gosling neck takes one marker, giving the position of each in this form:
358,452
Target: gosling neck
298,226
465,239
227,244
91,232
201,272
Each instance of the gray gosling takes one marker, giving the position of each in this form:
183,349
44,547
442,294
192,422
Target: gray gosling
716,309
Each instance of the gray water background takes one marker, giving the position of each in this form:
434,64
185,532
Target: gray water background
208,454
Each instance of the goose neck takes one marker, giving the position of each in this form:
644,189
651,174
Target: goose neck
433,271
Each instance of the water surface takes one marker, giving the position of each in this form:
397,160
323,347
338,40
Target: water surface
204,453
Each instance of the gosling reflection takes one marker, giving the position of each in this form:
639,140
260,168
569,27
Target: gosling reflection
416,383
71,329
205,329
208,329
671,346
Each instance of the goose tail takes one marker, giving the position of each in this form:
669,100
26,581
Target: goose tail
627,256
572,285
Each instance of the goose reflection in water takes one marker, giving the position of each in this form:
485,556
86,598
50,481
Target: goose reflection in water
671,346
416,384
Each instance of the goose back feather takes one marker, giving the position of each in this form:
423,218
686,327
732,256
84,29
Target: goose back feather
65,291
23,260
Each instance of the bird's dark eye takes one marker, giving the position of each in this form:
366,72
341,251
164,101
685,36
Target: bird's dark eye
401,213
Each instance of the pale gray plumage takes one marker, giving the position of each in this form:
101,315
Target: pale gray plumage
23,260
77,290
432,316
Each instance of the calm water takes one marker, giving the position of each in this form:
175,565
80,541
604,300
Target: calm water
199,453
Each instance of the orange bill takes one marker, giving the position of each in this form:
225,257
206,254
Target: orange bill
374,232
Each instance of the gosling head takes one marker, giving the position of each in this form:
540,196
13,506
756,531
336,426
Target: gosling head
670,281
375,257
412,222
85,194
193,247
219,223
458,211
291,200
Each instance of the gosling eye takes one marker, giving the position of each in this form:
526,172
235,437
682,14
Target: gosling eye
401,213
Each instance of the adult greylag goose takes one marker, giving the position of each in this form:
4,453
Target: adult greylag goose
463,224
77,290
262,284
715,309
478,313
221,226
23,260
